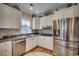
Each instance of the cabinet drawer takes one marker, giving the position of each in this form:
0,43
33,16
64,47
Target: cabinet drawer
69,52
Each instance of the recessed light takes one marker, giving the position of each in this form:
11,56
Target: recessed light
37,12
31,8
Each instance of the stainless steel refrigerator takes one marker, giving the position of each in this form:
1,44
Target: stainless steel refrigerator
67,42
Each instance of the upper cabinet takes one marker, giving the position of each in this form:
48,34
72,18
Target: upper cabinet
46,21
77,10
58,14
69,12
36,23
9,17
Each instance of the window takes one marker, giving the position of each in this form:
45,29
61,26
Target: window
25,26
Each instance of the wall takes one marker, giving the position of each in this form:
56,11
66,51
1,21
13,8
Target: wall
15,31
9,31
26,16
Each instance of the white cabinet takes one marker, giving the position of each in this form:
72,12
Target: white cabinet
42,22
36,23
69,12
77,10
46,42
6,48
28,44
31,42
9,17
58,14
42,41
49,43
34,39
49,20
46,21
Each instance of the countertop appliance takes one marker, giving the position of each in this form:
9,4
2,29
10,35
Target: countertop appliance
19,47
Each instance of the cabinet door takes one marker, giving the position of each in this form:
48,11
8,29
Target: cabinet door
42,22
77,10
3,18
69,12
16,19
29,44
49,20
58,14
34,41
49,43
36,23
41,41
9,48
46,42
2,49
9,17
6,48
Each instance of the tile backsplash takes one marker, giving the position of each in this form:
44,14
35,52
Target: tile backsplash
9,31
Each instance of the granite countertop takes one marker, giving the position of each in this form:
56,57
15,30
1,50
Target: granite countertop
12,38
19,36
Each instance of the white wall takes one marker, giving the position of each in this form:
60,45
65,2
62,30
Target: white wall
15,31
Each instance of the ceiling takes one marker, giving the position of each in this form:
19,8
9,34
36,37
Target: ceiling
38,8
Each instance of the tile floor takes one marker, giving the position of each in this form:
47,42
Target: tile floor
38,51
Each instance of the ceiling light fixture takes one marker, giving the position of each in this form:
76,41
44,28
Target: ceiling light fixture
37,12
31,8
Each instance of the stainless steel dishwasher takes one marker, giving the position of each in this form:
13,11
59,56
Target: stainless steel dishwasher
19,47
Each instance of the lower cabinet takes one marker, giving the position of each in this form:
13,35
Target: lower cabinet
6,48
46,42
28,44
42,41
34,41
31,42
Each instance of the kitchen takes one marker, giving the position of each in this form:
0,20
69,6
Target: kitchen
50,29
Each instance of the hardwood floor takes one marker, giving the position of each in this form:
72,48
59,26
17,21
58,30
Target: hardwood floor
40,49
